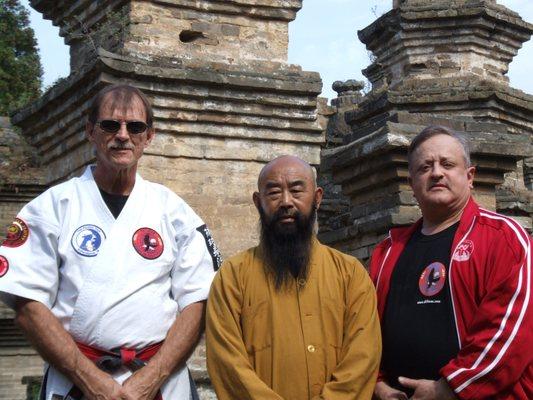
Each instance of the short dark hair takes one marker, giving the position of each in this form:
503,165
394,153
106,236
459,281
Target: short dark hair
434,130
122,94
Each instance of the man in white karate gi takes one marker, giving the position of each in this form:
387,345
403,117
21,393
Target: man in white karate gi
108,273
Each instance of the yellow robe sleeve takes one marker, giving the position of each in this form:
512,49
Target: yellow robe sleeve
231,372
355,375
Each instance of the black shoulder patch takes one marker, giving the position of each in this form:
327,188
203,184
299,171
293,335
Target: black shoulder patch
211,246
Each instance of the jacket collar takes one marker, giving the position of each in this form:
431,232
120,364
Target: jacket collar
471,210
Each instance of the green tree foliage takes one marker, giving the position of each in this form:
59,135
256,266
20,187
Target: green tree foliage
20,66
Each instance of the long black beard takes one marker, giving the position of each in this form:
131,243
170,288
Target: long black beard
287,248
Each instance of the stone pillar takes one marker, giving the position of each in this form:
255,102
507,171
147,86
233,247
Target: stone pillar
334,212
225,100
435,62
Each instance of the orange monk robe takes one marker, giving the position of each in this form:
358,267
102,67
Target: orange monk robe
316,339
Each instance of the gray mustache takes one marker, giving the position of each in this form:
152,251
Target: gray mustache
121,146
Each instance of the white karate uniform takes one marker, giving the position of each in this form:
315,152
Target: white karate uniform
82,263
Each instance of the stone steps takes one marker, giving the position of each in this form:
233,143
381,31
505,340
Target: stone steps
10,388
10,335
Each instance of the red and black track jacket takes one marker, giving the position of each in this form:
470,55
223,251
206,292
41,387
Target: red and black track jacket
490,284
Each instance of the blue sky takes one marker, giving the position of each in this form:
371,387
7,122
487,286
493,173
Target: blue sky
323,38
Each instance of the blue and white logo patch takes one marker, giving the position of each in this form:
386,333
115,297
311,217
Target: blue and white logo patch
87,239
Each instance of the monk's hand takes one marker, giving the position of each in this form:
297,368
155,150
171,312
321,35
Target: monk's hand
425,389
383,391
143,384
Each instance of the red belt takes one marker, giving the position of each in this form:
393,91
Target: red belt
125,357
110,361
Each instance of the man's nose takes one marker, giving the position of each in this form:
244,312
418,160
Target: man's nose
122,133
286,199
436,171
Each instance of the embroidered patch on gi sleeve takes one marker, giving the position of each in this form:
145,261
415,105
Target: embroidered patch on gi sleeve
17,234
4,266
211,246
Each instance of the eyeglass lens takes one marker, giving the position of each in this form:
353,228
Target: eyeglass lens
113,126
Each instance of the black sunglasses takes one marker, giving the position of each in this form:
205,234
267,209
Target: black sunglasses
113,126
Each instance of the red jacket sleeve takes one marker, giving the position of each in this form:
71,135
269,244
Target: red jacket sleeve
496,350
376,263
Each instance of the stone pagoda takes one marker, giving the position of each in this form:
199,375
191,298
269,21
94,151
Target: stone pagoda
433,62
225,99
225,102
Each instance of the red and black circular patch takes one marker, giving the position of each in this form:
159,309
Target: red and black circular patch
4,266
432,279
148,243
17,234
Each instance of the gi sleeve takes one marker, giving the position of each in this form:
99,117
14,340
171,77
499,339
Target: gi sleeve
497,348
29,257
195,265
231,372
354,377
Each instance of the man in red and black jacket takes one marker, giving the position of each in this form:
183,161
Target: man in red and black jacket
454,289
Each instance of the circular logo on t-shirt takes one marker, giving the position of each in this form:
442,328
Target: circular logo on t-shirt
148,243
87,239
17,234
464,251
432,279
4,266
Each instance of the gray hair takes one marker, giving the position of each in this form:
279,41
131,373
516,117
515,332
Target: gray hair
434,130
122,94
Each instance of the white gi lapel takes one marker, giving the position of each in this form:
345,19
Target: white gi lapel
107,266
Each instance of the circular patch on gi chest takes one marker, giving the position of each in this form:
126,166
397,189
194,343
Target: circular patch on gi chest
17,234
4,266
432,279
87,239
148,243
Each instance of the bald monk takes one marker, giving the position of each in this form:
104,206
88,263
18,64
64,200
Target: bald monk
291,318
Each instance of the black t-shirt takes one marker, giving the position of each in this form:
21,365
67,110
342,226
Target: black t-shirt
115,202
419,335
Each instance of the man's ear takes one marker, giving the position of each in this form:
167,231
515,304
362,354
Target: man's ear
470,173
257,200
149,136
319,192
89,131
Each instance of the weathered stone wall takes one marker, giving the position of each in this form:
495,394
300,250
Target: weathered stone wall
229,31
232,32
222,194
334,213
17,369
20,179
19,364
